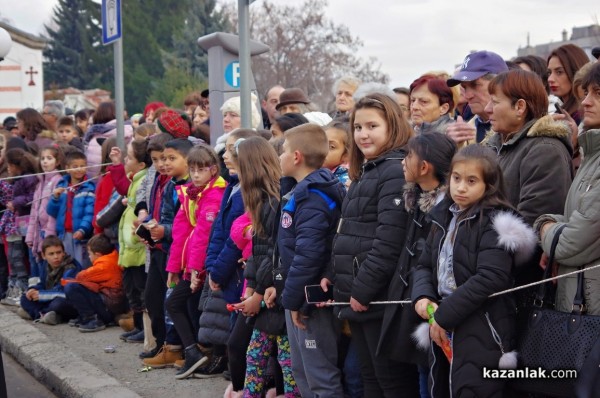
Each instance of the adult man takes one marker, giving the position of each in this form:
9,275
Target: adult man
53,110
269,103
474,76
292,100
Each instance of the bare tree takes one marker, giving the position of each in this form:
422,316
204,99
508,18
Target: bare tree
308,50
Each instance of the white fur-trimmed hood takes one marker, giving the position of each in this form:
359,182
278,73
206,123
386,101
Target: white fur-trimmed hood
515,236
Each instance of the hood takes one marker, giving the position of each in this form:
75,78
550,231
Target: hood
414,196
515,236
322,180
437,126
98,129
589,140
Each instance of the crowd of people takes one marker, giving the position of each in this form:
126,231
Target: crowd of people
258,257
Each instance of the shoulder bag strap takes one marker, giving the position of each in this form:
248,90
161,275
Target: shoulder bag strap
541,293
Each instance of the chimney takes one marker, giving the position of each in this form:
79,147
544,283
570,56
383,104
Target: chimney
564,35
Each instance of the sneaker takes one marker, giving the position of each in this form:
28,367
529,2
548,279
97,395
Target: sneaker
13,296
194,358
149,354
93,325
23,314
179,363
165,358
74,322
136,338
216,367
50,318
126,335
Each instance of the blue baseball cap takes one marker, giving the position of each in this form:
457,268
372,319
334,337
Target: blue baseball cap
478,64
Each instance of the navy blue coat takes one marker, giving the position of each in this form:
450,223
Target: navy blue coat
306,230
169,206
223,255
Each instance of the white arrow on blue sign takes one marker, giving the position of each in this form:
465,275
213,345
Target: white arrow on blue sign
111,21
232,74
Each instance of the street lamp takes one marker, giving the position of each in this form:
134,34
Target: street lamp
5,43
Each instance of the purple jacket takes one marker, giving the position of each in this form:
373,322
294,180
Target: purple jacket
40,223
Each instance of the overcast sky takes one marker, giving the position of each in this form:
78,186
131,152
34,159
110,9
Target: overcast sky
410,37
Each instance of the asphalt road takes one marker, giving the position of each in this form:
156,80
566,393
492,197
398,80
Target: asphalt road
21,384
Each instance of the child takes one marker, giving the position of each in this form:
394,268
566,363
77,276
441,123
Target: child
477,241
104,185
367,246
260,190
338,135
145,131
68,133
97,292
225,273
20,163
46,300
40,224
200,200
72,205
132,252
426,168
310,212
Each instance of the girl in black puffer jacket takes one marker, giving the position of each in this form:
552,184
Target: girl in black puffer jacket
476,241
369,239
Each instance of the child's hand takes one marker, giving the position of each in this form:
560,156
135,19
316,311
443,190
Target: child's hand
356,306
58,191
421,307
30,244
115,155
32,295
172,278
195,282
438,334
298,319
251,306
270,296
10,206
157,232
325,283
78,235
142,214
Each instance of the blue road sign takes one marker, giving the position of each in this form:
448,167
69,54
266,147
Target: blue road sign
232,74
111,21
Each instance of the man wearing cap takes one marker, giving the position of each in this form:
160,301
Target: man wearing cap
292,100
474,76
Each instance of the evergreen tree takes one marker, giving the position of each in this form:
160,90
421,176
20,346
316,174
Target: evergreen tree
75,56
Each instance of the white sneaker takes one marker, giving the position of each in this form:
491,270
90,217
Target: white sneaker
10,296
50,318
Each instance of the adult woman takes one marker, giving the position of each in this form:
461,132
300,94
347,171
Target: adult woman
343,89
431,104
534,150
103,125
33,128
563,63
578,243
535,64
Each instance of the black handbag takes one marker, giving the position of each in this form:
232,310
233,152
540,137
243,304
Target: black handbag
560,341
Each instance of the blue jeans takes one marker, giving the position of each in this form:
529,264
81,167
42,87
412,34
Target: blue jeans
58,305
87,303
353,387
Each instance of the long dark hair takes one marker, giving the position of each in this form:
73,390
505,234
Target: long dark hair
572,58
436,149
495,190
26,163
33,123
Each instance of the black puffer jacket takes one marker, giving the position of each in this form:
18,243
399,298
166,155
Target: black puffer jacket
400,321
370,235
487,248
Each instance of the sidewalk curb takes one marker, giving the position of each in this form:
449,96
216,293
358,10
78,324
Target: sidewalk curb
54,364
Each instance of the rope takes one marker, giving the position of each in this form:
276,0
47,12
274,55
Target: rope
491,295
53,171
69,188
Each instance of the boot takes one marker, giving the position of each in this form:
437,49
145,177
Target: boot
194,358
166,357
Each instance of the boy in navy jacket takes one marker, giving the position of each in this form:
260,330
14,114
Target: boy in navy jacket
46,299
309,216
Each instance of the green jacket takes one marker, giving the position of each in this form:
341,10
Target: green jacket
579,242
132,252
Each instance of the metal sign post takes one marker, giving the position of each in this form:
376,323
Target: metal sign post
244,64
112,33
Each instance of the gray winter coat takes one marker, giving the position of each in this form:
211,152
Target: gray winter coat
579,243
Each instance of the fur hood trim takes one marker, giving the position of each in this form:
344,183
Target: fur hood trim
413,196
515,236
548,127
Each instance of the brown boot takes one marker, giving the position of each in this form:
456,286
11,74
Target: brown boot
165,357
179,363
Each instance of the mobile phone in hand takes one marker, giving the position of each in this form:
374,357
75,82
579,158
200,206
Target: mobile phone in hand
315,294
144,233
